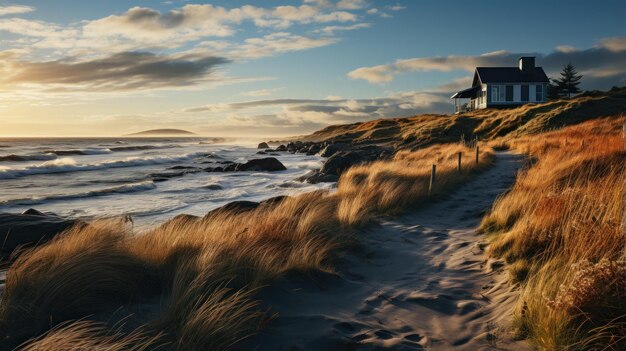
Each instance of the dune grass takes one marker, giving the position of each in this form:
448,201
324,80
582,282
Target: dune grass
191,283
561,229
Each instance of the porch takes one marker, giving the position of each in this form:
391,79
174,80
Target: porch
466,100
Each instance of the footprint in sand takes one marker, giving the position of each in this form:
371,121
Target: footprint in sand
414,337
383,334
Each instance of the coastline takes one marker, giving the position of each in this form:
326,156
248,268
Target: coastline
229,258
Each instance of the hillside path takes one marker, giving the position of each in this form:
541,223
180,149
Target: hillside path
420,281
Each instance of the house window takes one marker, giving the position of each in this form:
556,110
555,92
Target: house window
524,92
539,92
498,93
509,93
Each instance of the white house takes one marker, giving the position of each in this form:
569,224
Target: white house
503,87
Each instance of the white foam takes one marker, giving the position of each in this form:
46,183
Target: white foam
68,164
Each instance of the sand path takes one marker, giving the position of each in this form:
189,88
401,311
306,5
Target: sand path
421,281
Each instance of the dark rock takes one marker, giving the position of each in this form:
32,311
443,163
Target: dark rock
317,177
167,175
314,148
333,149
33,212
214,169
234,207
341,161
214,187
181,220
29,229
231,167
273,201
182,167
262,164
263,146
261,152
281,148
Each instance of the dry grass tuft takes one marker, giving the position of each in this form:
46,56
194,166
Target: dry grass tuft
83,335
565,214
190,284
392,186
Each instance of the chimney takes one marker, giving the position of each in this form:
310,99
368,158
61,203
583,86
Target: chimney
527,64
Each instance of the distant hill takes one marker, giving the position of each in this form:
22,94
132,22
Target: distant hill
160,132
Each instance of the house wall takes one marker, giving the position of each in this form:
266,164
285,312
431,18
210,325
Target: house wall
483,102
517,94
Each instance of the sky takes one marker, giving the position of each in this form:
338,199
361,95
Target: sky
276,68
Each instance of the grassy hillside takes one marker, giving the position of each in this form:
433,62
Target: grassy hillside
419,131
561,231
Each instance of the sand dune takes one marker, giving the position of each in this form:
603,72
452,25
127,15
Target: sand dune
418,281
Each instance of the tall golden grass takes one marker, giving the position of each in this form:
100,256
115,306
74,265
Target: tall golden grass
190,284
561,229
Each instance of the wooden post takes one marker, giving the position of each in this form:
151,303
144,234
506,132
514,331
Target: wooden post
432,179
477,151
460,161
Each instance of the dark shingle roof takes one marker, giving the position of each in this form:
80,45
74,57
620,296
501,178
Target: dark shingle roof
510,75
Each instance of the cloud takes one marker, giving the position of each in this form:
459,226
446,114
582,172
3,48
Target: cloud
98,54
305,113
15,9
614,44
118,72
608,56
33,28
192,21
330,30
268,45
374,74
260,92
397,8
351,4
148,29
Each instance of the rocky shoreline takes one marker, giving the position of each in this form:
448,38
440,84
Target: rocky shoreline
340,156
32,228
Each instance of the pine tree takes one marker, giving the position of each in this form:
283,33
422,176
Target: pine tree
553,90
568,83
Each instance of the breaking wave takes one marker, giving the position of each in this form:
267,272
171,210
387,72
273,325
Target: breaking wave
78,152
23,158
68,164
120,189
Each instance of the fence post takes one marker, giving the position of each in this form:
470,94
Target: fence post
432,179
460,161
477,151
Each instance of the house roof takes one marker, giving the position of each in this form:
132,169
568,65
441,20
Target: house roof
510,75
465,94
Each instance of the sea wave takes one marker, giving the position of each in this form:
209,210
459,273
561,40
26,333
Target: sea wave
120,189
141,147
68,164
78,152
31,157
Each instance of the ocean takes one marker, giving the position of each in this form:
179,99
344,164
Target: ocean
150,179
